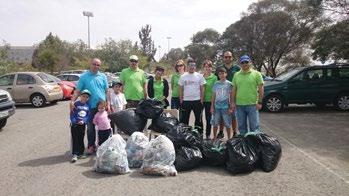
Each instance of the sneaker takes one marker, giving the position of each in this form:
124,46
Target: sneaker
90,150
220,135
74,159
83,156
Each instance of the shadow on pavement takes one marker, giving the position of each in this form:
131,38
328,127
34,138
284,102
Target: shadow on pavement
52,160
95,175
30,106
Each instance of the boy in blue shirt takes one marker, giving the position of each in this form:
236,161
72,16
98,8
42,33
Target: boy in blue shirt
221,103
79,117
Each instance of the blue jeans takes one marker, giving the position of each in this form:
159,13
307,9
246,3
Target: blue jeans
175,104
91,132
222,114
250,113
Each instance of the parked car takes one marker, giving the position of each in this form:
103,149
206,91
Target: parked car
319,85
74,78
266,78
73,71
66,86
7,107
36,88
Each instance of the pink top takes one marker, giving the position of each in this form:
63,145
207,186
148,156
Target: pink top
102,121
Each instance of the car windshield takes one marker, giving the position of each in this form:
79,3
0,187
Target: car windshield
46,77
55,78
287,75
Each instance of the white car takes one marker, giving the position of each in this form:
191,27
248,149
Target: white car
7,107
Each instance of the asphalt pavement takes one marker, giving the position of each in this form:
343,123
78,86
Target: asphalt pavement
35,158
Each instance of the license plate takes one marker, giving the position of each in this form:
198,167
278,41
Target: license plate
4,114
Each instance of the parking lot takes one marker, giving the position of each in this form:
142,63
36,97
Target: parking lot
315,142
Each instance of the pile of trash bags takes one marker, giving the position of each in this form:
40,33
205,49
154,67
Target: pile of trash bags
128,121
252,151
111,156
181,148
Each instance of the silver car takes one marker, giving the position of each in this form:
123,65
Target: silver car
36,88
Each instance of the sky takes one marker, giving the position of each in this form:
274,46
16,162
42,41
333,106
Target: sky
27,22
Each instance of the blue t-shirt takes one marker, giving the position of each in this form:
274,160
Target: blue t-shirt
97,84
80,113
222,92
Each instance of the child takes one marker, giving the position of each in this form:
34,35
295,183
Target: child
79,117
102,122
220,103
117,100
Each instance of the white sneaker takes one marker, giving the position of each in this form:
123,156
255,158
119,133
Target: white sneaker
74,159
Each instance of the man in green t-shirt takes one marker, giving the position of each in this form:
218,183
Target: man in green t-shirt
134,82
247,96
231,68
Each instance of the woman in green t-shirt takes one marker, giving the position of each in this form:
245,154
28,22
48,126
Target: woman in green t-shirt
180,69
158,86
210,80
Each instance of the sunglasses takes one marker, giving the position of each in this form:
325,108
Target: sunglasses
133,61
244,62
180,65
227,57
96,64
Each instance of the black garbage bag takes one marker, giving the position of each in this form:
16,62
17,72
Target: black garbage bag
184,135
128,121
150,108
214,152
270,152
187,158
242,154
164,123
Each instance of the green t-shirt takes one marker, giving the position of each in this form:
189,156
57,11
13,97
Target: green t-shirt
174,84
210,80
133,81
158,87
246,84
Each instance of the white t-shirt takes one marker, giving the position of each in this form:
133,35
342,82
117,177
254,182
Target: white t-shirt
117,101
191,85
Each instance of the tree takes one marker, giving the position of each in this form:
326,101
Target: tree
50,55
174,55
271,31
147,44
337,7
332,42
204,45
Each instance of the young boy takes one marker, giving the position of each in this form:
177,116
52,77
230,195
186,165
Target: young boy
220,103
117,100
79,117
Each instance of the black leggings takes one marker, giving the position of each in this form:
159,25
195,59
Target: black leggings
196,107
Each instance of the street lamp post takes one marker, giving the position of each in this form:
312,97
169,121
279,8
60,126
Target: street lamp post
88,14
168,44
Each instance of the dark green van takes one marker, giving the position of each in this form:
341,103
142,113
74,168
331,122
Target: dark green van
320,85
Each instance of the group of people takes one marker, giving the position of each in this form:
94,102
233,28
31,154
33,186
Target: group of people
230,97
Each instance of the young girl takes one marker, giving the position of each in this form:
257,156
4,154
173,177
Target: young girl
102,123
180,69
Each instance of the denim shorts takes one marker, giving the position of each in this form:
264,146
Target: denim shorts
220,114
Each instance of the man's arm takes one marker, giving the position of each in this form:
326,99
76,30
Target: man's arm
260,96
145,90
202,91
233,98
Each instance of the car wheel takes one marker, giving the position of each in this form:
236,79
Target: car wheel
274,103
342,102
38,100
3,122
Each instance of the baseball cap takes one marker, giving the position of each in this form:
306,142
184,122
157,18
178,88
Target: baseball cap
87,92
133,57
116,82
245,58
